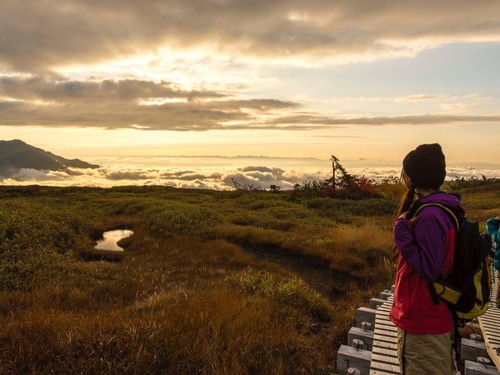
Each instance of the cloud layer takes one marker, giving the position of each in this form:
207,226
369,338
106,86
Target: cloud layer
223,177
50,101
140,104
39,35
191,65
218,40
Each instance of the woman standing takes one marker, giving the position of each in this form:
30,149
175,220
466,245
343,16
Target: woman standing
424,249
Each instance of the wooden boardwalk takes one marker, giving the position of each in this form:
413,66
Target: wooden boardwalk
490,328
384,359
378,353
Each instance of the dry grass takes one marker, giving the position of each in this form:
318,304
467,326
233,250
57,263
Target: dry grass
363,252
170,310
220,332
187,297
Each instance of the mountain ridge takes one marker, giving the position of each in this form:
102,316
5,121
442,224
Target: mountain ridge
17,154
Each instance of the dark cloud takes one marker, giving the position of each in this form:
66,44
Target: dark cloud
52,101
54,88
48,101
424,119
37,35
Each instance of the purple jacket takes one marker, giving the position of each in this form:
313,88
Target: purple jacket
426,244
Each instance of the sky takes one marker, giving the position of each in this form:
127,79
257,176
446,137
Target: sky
276,84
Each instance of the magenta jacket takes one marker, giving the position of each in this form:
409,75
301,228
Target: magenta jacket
426,245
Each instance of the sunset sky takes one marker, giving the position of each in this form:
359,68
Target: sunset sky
365,81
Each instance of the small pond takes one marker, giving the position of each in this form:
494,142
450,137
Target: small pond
111,238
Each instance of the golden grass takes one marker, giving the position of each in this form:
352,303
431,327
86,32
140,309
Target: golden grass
363,237
185,298
219,332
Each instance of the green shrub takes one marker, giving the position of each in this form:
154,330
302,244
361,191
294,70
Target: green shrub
181,218
365,207
38,240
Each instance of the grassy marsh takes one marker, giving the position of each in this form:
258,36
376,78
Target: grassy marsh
190,295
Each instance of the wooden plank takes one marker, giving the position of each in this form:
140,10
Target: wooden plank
384,368
383,318
384,359
385,307
379,331
385,344
384,335
384,356
384,351
490,327
494,312
385,323
385,326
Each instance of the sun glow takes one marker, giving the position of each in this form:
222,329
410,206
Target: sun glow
199,69
161,101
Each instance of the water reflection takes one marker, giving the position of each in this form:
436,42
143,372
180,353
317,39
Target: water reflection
111,238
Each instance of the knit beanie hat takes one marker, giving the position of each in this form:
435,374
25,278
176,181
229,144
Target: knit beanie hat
426,166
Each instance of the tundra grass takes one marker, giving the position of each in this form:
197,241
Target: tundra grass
189,294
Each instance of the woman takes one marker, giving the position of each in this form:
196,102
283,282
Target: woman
424,249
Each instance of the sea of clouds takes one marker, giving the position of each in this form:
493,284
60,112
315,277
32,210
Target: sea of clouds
219,173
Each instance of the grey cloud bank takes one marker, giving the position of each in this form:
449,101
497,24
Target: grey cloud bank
39,35
55,102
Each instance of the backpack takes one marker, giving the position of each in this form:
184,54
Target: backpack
467,289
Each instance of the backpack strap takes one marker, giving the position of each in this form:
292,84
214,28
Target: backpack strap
435,298
450,213
456,223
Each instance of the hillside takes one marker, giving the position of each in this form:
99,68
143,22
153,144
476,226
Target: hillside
16,154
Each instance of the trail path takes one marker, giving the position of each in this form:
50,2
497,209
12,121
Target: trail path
315,272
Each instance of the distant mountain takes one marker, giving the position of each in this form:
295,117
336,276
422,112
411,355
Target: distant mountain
16,154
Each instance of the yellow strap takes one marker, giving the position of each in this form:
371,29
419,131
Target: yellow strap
443,207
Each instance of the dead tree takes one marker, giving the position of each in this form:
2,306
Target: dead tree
335,163
344,178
